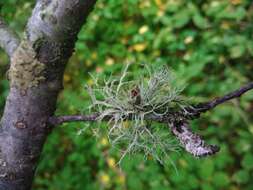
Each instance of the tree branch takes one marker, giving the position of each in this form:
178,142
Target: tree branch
9,41
195,111
192,112
58,120
177,121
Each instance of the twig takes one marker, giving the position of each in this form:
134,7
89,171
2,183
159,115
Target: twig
192,111
235,94
195,111
9,41
177,121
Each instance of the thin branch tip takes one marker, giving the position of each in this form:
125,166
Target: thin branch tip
206,106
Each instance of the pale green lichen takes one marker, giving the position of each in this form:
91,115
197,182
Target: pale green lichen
26,70
152,93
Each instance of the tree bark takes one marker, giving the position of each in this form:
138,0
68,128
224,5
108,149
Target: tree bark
9,41
35,75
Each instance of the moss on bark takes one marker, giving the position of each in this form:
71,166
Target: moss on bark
26,71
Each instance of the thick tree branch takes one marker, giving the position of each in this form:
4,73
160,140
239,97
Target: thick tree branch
191,112
9,41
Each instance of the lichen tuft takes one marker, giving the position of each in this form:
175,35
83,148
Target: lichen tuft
125,97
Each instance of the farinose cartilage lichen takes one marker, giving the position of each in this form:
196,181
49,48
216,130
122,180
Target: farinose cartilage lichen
153,93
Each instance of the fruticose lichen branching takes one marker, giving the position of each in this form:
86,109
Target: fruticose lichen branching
122,97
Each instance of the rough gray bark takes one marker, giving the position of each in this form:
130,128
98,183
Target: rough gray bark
35,75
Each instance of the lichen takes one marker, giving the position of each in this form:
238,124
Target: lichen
47,12
26,70
122,97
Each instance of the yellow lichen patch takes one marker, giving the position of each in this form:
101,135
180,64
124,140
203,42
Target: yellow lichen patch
25,71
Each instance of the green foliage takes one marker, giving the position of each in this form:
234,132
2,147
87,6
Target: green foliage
208,44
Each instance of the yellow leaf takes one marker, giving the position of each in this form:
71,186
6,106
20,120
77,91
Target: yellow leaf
111,162
94,55
121,179
188,40
140,47
159,3
104,141
143,29
236,2
105,179
160,13
144,4
109,61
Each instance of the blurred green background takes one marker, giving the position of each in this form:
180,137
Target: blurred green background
208,44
